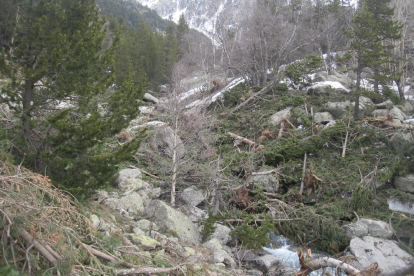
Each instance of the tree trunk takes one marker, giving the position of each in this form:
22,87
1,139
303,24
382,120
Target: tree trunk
174,162
27,108
358,88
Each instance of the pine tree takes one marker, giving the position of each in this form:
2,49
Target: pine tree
372,34
57,57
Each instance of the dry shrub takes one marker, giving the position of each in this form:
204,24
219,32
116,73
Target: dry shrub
217,84
266,134
29,202
124,136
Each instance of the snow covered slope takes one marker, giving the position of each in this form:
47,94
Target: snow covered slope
202,15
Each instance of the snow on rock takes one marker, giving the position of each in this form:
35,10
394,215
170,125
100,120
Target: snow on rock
333,84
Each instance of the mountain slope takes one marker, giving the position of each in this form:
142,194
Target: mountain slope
202,15
133,12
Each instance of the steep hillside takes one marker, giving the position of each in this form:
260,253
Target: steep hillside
202,15
132,12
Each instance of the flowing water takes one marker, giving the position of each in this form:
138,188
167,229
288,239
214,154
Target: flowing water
285,250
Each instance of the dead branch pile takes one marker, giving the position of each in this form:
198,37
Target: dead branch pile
41,229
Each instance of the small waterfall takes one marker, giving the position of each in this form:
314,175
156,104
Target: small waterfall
285,250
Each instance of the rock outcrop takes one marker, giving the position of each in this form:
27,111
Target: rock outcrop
172,221
390,257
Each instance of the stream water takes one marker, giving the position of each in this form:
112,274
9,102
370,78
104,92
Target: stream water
285,250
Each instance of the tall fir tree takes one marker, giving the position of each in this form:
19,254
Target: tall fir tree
55,57
373,31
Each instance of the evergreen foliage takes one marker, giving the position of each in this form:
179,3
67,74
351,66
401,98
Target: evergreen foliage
133,13
144,53
59,76
373,33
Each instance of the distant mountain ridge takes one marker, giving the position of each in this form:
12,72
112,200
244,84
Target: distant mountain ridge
133,12
202,15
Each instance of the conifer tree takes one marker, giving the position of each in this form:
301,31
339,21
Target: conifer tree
372,34
57,58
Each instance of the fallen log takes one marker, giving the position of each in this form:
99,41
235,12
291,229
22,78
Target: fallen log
254,95
238,140
146,270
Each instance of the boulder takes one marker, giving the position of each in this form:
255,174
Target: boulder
405,183
268,182
407,107
101,195
389,256
262,261
323,117
195,214
343,79
396,113
219,254
163,141
338,109
144,242
380,113
276,118
145,225
400,139
150,98
398,205
146,109
172,221
131,203
193,196
388,104
365,227
130,180
99,224
221,233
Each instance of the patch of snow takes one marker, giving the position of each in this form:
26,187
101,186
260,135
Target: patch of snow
152,123
333,84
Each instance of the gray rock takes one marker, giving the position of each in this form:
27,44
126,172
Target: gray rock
145,225
172,221
365,227
150,98
193,196
343,79
265,263
323,117
254,272
144,242
213,244
338,109
320,76
400,139
396,113
276,118
101,195
132,203
195,214
388,104
268,182
407,107
365,104
380,113
405,183
163,141
130,180
221,233
389,256
99,224
401,206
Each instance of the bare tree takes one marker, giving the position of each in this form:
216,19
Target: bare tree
404,48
